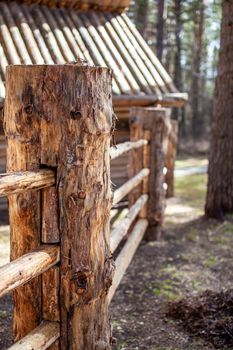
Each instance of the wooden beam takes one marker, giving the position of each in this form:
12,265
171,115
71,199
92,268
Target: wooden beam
170,158
126,147
50,294
22,130
166,100
50,216
27,267
103,6
122,228
121,192
126,255
72,109
155,122
40,338
19,182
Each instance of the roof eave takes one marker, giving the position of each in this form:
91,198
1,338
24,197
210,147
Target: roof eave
177,100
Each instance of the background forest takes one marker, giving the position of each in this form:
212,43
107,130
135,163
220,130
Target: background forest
185,36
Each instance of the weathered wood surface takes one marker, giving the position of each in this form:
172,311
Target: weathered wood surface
170,158
145,164
105,5
124,258
22,270
135,163
50,294
177,100
121,192
40,338
50,213
22,130
122,228
72,111
126,147
51,278
19,182
157,122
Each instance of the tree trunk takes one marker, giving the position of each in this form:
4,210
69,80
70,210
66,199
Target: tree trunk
197,117
177,61
142,16
160,29
220,174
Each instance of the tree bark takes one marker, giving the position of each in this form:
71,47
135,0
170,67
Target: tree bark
61,116
197,117
160,29
220,173
177,8
142,16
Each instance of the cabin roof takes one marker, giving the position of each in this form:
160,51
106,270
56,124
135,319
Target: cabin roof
84,5
33,34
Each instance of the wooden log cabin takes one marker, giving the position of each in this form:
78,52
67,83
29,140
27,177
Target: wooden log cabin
100,32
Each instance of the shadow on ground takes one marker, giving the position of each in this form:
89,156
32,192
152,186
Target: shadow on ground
193,255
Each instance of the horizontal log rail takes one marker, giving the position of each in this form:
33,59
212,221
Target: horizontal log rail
40,338
27,267
121,230
126,147
18,182
124,258
121,192
174,99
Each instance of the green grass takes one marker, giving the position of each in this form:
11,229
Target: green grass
228,228
192,189
211,262
182,162
166,290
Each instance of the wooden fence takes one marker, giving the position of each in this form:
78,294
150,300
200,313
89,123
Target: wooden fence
58,124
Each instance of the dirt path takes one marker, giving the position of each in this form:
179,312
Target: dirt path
193,255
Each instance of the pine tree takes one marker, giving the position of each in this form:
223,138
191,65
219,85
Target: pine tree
219,199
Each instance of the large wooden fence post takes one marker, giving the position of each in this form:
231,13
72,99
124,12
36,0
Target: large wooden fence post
60,117
154,125
170,158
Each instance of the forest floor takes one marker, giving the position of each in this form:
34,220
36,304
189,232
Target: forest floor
159,304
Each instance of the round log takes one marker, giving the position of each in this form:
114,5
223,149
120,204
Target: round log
63,116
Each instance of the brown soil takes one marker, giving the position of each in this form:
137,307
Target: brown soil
190,258
6,311
209,315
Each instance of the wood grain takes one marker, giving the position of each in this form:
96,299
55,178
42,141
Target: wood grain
19,182
126,147
71,107
121,192
122,228
27,267
156,121
126,254
40,338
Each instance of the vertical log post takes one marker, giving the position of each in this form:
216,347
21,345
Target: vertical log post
22,130
60,116
170,158
154,125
